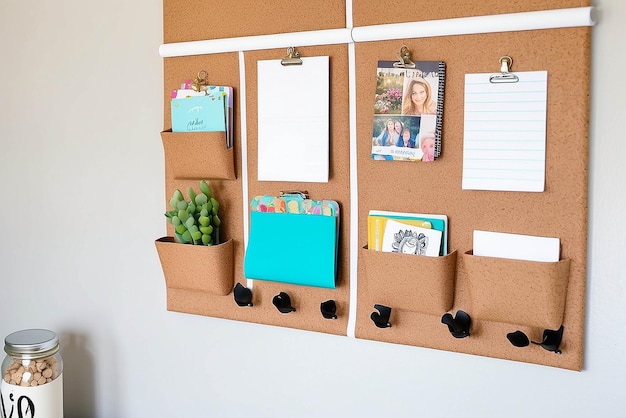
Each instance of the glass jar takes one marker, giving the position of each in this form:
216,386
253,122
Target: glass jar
32,375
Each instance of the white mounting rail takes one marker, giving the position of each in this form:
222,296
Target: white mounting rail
508,22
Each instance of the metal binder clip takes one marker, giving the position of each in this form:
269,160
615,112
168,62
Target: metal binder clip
292,58
505,76
302,193
404,59
201,83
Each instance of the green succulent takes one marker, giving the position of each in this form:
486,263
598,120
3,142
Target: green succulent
195,221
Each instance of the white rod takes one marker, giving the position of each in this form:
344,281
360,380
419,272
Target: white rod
510,22
252,43
354,194
547,19
349,19
243,130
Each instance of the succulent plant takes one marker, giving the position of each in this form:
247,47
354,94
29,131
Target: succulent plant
195,221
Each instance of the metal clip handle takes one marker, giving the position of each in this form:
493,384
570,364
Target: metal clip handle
201,83
505,75
292,58
404,59
304,194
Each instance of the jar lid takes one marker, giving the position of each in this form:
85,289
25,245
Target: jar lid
31,343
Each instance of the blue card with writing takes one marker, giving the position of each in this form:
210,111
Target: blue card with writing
199,114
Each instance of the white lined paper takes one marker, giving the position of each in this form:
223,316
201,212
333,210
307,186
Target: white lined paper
504,143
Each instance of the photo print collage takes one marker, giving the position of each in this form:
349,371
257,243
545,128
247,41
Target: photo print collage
408,107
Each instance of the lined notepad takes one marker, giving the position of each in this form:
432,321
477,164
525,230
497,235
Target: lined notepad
504,144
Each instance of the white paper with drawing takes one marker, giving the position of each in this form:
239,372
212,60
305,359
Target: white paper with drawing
293,115
504,144
409,239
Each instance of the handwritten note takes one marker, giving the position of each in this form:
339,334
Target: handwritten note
504,144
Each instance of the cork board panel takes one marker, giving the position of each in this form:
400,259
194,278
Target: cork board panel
222,69
194,20
371,12
560,211
307,299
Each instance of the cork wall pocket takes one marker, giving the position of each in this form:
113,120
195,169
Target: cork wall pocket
517,292
198,155
197,267
412,282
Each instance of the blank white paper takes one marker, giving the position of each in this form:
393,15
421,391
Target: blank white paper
293,116
504,144
518,247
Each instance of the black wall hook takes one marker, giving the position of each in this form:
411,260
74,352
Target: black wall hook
381,318
551,339
518,339
459,326
243,295
282,301
329,309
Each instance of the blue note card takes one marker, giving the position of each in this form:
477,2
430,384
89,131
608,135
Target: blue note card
292,248
199,114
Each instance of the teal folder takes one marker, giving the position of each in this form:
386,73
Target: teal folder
292,248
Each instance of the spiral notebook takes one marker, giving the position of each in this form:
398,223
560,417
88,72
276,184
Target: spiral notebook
408,111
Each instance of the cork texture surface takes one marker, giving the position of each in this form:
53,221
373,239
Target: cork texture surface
560,211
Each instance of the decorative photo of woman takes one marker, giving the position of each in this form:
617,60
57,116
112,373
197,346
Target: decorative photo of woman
418,97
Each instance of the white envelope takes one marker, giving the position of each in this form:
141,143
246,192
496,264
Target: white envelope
518,247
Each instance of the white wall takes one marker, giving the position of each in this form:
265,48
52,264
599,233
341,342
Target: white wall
81,198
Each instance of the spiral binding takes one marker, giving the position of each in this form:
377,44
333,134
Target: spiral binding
442,81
